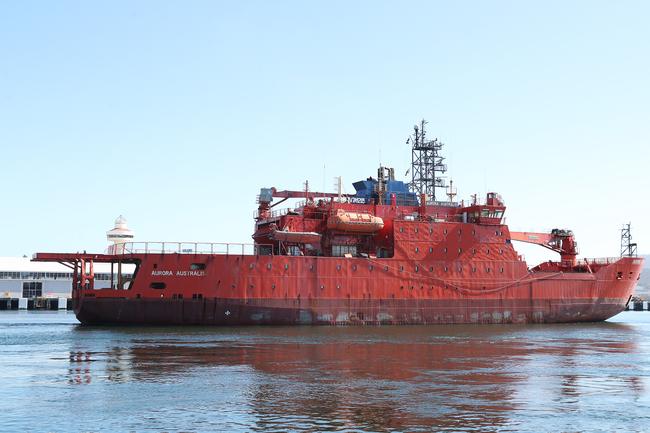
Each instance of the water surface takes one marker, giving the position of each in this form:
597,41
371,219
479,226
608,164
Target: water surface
59,376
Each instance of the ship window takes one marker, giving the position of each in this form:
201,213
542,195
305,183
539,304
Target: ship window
445,249
445,231
430,230
197,266
488,270
342,250
487,251
251,266
417,250
417,269
416,230
460,269
485,212
158,285
386,268
401,229
286,266
460,250
354,267
446,269
460,232
338,267
501,270
431,269
500,251
268,266
473,250
370,268
32,289
430,249
474,232
473,269
401,268
496,232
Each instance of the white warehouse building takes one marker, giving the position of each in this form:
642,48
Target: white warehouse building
22,278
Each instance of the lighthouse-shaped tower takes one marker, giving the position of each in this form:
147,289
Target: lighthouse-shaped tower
119,235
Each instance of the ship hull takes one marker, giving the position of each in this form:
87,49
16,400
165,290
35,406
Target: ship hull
229,312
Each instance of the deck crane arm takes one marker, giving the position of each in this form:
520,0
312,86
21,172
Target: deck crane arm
558,240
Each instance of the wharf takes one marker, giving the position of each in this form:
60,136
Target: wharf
35,304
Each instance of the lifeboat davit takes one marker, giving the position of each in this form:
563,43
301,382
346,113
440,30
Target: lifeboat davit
296,237
354,222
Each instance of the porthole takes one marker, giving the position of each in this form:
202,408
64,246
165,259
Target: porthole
500,251
501,270
386,268
473,269
417,250
487,270
445,231
445,249
430,230
417,269
473,250
401,229
273,286
430,249
460,250
416,230
370,268
401,268
354,267
446,269
268,266
286,266
431,269
487,251
338,267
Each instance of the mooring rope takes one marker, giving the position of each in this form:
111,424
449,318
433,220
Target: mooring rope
465,290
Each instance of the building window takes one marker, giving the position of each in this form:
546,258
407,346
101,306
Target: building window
32,289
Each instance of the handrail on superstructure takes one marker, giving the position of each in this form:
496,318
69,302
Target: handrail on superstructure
129,248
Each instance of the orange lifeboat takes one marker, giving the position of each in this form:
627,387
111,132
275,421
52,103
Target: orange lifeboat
354,222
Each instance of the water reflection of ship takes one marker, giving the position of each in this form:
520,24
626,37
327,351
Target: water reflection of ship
383,378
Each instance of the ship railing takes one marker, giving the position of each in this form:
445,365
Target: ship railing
601,260
190,248
280,212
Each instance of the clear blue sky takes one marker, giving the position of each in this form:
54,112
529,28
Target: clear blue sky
176,113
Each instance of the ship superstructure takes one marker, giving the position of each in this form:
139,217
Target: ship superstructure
391,253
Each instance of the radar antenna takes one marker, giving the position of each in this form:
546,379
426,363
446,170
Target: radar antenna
426,163
628,248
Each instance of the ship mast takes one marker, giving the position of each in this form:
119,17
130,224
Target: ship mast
426,163
628,248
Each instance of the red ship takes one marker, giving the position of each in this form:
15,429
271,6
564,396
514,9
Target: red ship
391,253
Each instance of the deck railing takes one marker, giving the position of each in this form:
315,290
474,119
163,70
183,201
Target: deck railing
190,248
601,260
